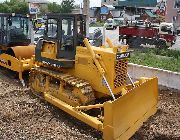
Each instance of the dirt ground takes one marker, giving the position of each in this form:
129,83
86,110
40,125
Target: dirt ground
24,116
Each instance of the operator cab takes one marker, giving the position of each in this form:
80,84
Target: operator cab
67,30
14,30
166,28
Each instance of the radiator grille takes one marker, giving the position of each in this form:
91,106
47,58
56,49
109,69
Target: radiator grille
120,73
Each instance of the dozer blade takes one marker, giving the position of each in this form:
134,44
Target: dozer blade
124,116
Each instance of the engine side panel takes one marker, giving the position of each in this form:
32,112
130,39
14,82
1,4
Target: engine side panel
116,70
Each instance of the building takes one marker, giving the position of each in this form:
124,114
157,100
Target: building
137,3
173,12
109,2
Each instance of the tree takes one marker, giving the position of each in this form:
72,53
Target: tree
54,8
4,8
44,9
67,6
14,6
20,8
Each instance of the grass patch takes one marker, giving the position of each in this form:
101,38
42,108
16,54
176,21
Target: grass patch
162,52
97,24
163,59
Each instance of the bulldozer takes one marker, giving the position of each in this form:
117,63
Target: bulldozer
91,83
16,49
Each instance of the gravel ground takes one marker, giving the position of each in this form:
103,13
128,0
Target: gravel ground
24,116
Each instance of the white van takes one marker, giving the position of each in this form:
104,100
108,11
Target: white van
110,24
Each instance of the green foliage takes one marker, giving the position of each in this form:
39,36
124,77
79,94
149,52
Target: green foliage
97,24
65,7
4,8
158,58
14,6
21,8
54,8
162,52
43,9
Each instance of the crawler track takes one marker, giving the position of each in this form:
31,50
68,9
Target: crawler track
69,82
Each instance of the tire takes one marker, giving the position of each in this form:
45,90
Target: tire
152,42
129,42
120,37
161,44
134,42
178,32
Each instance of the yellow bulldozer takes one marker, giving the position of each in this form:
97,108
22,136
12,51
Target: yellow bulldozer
15,43
90,83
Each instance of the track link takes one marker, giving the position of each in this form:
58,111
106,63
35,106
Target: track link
85,94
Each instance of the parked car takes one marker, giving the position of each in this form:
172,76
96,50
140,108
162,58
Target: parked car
178,30
110,24
38,23
140,22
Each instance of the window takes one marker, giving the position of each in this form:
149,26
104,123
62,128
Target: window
18,27
177,4
67,33
81,27
52,28
166,28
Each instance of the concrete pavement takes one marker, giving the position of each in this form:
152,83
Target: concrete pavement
176,46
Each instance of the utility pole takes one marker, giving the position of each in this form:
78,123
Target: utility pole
86,4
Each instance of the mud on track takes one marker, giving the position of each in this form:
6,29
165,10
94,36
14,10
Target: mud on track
24,116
